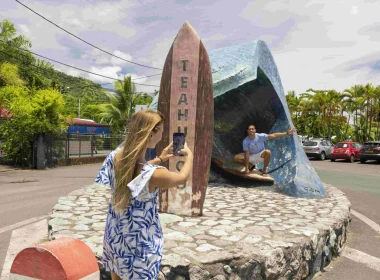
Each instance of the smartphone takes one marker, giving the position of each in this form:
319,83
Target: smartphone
178,142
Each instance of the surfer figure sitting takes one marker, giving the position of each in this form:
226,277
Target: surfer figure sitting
254,149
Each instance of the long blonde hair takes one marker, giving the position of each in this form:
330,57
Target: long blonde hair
142,125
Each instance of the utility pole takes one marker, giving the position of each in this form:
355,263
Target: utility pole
79,108
130,109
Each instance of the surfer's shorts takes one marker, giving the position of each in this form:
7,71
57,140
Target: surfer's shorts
256,158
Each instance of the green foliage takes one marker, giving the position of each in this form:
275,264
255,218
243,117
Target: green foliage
33,112
35,94
40,74
353,114
121,105
117,111
141,99
13,49
8,32
9,75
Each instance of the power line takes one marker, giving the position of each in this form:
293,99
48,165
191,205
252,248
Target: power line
76,67
146,76
81,87
108,14
45,71
137,78
121,9
85,40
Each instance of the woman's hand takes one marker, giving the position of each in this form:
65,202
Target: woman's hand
186,151
291,131
164,179
167,152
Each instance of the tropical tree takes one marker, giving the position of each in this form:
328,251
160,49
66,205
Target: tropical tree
118,110
9,75
8,33
354,95
33,111
294,103
314,106
141,99
377,111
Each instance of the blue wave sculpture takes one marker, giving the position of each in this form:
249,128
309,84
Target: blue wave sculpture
248,90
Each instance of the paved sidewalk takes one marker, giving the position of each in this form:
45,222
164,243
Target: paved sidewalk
6,168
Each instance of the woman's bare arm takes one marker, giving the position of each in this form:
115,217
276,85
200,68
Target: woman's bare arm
165,179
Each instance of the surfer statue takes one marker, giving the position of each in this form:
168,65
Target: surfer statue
254,149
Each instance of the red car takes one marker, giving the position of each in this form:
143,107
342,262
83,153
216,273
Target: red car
346,150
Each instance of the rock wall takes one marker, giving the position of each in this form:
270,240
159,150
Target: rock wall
245,233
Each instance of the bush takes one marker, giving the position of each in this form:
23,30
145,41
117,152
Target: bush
34,111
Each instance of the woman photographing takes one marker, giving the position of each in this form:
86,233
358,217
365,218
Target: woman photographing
133,238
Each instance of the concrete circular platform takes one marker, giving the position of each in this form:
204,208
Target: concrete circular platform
245,233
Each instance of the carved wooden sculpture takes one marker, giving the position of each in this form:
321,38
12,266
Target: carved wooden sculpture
186,100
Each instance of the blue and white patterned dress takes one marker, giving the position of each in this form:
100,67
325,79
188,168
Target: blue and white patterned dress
133,239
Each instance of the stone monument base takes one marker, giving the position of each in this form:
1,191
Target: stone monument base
244,233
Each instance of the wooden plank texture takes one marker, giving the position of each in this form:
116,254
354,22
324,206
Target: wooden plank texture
186,99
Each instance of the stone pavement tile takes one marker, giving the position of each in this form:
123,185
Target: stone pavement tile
244,231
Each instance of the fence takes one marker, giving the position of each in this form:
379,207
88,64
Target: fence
71,146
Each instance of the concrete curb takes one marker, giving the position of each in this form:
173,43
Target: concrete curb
64,258
21,238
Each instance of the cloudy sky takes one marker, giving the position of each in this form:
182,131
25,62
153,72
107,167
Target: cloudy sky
324,44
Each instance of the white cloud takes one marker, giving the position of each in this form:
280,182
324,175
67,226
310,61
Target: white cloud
24,30
117,61
354,10
109,71
73,72
315,43
215,37
156,57
327,37
266,13
102,58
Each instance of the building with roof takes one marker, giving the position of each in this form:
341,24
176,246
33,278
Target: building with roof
86,127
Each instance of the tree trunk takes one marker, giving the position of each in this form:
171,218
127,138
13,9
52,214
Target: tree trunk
366,123
370,121
356,125
347,126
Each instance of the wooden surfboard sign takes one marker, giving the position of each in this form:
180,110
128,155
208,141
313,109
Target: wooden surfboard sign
237,169
186,101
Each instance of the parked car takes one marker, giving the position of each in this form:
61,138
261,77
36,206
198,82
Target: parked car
370,151
318,148
346,150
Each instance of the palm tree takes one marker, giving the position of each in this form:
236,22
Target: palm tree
354,95
118,110
8,33
317,104
349,108
333,109
371,96
294,103
377,110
